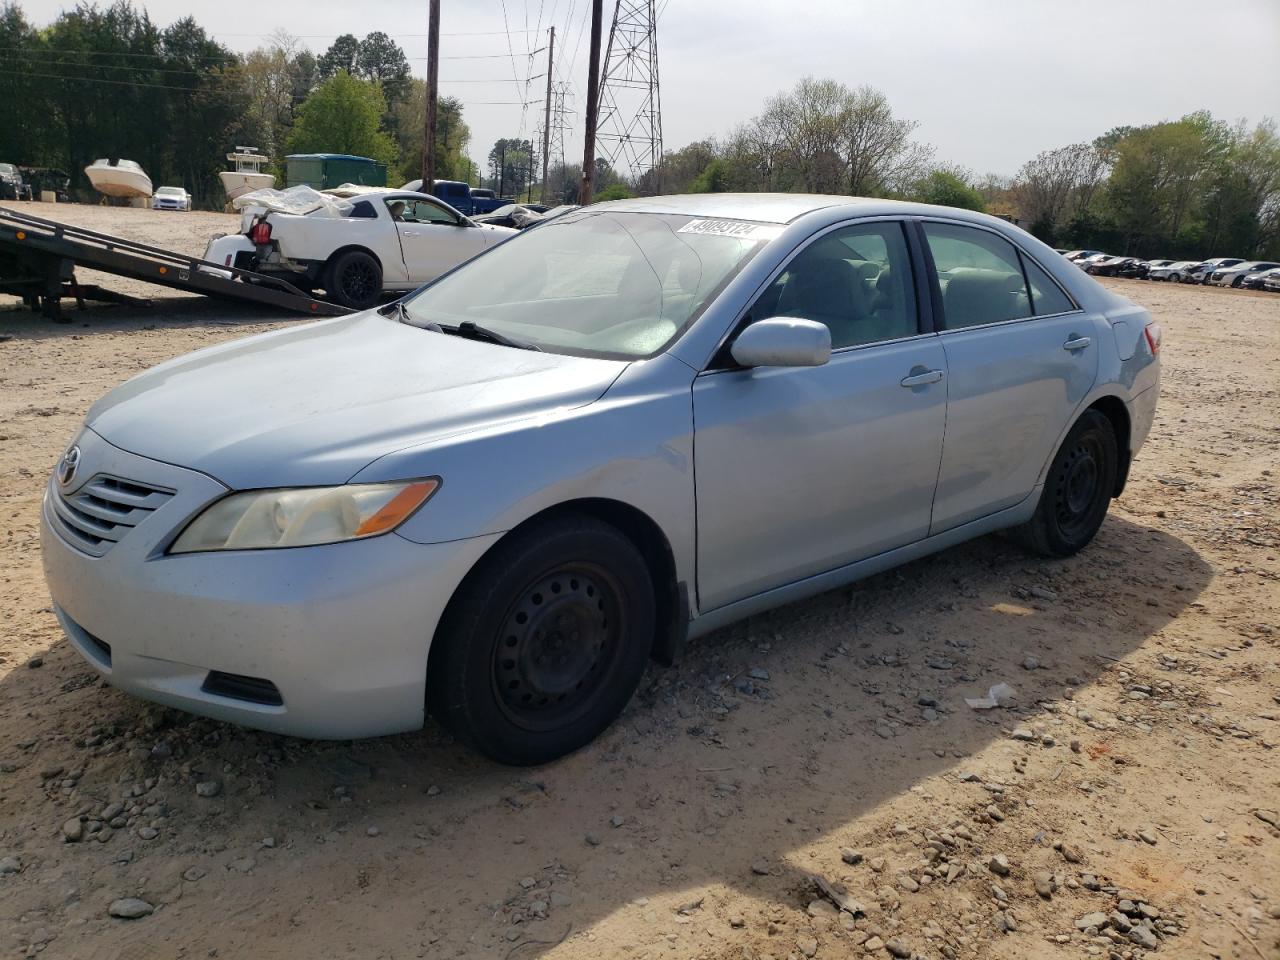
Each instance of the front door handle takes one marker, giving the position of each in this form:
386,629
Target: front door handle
1076,343
410,233
922,379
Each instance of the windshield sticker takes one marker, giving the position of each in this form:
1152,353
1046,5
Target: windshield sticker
732,228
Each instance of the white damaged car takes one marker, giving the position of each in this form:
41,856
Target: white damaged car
353,243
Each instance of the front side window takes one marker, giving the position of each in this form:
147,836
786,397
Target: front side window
857,280
979,275
419,211
595,282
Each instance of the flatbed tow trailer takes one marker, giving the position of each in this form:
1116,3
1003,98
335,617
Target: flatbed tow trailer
38,258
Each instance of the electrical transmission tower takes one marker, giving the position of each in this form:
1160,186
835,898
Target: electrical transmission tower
629,128
561,98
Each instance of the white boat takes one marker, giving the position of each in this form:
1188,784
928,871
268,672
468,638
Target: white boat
247,174
119,178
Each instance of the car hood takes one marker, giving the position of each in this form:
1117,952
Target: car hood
313,405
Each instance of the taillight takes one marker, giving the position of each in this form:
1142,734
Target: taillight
1154,335
260,233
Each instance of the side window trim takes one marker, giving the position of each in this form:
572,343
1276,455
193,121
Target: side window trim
924,314
935,288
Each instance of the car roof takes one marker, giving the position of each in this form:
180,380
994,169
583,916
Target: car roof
783,207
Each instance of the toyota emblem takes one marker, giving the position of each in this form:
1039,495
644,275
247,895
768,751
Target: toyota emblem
68,466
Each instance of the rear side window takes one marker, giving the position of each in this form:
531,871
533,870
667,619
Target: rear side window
979,275
1046,296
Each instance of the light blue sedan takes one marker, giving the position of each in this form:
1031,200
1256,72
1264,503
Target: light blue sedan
495,500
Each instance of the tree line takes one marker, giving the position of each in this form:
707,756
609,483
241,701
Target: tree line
109,82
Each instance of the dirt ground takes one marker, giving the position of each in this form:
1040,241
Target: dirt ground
1134,777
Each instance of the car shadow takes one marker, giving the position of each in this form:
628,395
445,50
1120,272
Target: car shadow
172,312
741,771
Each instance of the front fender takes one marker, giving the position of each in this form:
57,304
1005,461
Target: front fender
634,445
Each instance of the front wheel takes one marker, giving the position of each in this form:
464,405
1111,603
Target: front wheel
545,641
1077,490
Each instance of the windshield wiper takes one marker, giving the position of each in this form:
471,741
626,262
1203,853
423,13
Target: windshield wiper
467,328
402,314
473,331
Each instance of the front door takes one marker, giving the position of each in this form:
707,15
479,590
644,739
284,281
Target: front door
1020,357
802,470
433,240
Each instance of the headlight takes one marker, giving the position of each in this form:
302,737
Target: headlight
304,516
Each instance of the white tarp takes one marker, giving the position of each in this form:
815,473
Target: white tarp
299,200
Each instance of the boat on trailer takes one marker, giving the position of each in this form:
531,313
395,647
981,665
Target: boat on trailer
247,174
122,179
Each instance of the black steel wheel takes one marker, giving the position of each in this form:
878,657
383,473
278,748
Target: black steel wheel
355,280
1077,491
558,644
544,642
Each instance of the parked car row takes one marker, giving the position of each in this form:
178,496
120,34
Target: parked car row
1218,271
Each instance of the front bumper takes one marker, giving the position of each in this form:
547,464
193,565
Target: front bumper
341,631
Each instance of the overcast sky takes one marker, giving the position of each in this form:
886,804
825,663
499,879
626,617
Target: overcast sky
990,82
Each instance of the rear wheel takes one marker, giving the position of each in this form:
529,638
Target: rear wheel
1077,490
545,642
354,280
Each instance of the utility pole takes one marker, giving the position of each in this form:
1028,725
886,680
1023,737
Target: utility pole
546,123
593,106
433,76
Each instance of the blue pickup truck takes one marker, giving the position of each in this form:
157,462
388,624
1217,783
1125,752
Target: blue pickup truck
463,198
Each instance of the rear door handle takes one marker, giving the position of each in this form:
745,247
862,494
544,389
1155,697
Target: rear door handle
922,379
1076,343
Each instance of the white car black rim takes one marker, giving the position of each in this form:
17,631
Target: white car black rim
358,279
558,646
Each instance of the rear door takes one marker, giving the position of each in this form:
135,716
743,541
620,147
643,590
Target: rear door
802,470
1021,356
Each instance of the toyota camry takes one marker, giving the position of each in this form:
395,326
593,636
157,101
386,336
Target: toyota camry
495,500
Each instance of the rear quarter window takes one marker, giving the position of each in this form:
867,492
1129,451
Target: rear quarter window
1046,296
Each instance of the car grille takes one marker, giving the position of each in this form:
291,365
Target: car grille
102,512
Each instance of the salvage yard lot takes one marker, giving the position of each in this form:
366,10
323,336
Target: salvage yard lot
1139,762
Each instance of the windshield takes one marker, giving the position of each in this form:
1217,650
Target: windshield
170,191
596,283
7,168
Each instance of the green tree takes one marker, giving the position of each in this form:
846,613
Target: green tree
615,191
452,134
380,58
343,54
714,178
948,188
511,166
22,96
343,115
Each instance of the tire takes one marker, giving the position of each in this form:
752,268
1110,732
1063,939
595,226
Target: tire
545,641
354,280
1077,490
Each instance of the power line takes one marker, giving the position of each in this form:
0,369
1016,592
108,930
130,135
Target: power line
334,36
118,83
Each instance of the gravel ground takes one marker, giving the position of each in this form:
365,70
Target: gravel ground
808,783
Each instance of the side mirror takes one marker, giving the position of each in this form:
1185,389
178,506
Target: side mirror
783,342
